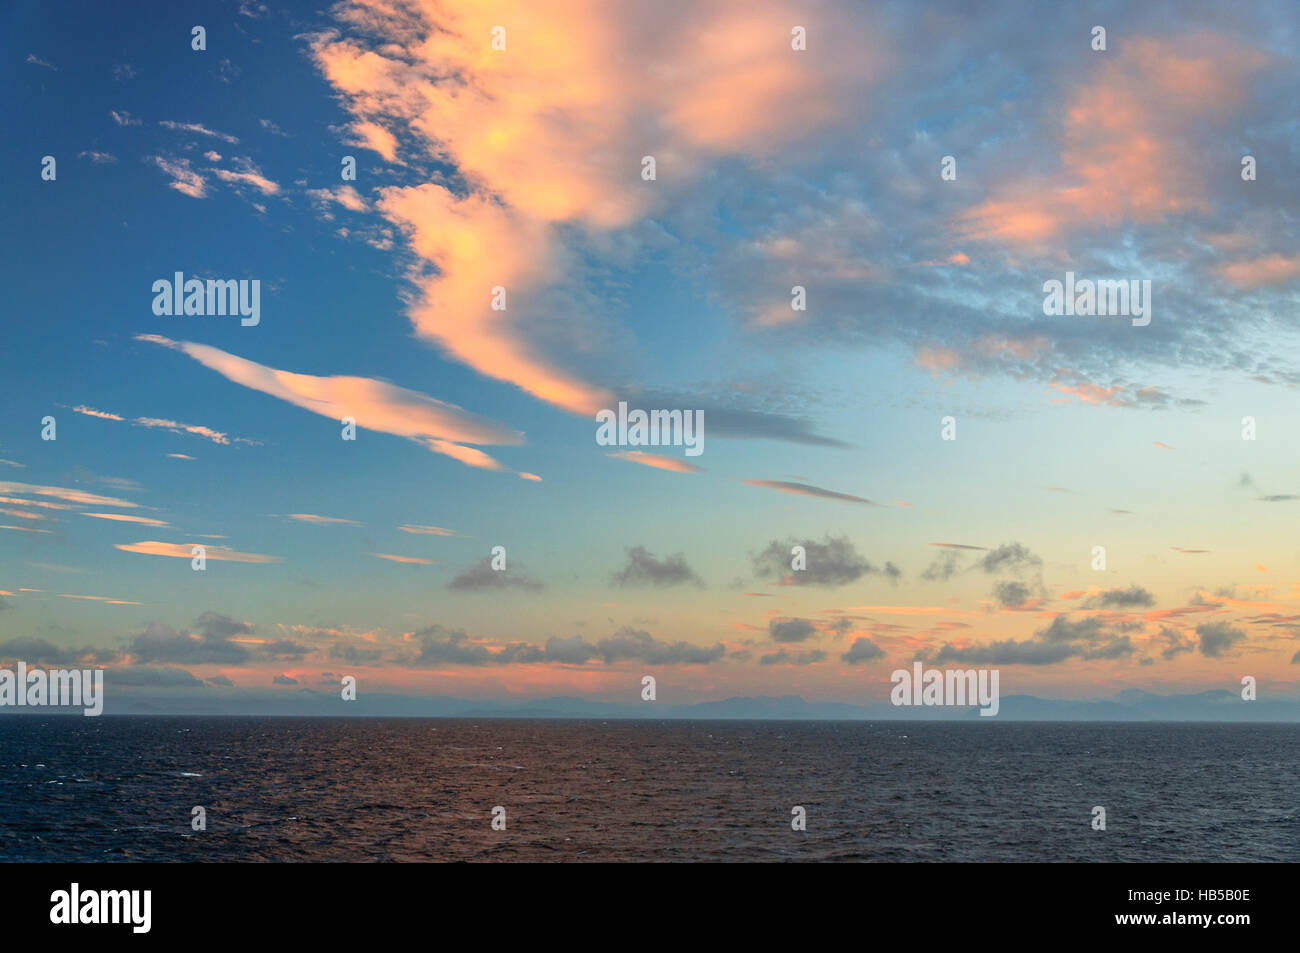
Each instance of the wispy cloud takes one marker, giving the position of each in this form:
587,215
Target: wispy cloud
185,551
807,489
375,405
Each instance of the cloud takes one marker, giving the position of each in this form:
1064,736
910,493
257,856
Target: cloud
547,147
482,576
159,423
1217,638
1006,652
125,518
412,560
344,195
355,655
40,652
1126,152
1134,595
804,489
427,530
321,520
643,569
784,657
183,178
162,643
184,551
197,129
247,174
1011,594
372,136
61,493
375,405
438,646
628,644
943,568
834,562
862,650
1177,645
791,630
284,680
145,676
1013,557
285,649
658,461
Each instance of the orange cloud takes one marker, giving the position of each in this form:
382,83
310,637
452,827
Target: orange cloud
63,493
655,460
550,132
1258,272
373,404
123,518
415,560
184,551
1125,149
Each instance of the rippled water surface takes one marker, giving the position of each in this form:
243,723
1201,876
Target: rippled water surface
105,789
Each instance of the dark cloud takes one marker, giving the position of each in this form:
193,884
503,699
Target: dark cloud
355,655
790,630
1065,629
1116,648
643,569
629,644
482,576
1011,594
439,645
442,646
833,562
862,650
284,680
740,423
1177,644
215,626
784,657
220,680
285,649
1009,557
145,676
943,568
162,643
1134,595
41,652
1008,652
1218,637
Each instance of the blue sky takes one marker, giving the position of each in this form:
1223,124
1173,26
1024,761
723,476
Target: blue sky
775,167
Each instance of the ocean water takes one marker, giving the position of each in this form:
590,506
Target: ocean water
291,789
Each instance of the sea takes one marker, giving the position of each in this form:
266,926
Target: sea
119,788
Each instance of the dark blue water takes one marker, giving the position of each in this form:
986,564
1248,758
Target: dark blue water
113,789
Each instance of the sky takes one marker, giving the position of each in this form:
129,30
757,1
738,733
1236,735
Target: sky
947,455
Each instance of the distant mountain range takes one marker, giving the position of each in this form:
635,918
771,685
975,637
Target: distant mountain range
1128,705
